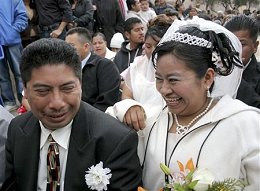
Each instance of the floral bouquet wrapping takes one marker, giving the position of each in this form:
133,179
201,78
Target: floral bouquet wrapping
191,179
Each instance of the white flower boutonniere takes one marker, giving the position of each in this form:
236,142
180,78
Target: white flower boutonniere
97,177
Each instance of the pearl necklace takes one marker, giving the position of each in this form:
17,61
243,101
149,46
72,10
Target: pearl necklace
183,129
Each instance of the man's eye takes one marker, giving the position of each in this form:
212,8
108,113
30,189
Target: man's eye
42,91
173,80
68,88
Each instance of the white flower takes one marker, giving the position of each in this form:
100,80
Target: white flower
97,177
205,179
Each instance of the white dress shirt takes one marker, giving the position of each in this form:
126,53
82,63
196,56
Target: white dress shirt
61,136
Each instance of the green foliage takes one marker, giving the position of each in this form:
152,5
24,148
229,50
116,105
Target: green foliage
227,185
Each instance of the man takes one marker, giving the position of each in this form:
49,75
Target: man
246,29
100,77
161,6
54,15
5,118
13,20
81,135
108,18
131,48
134,8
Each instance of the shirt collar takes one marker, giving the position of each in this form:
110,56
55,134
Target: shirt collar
61,135
247,63
84,62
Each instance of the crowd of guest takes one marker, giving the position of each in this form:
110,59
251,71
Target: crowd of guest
129,63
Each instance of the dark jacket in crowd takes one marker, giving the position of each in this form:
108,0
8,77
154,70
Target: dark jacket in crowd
83,14
248,95
252,74
125,56
100,82
108,18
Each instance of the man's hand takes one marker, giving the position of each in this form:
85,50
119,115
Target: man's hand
135,117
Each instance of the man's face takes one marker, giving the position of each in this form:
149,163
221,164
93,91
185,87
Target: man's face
137,6
144,5
136,35
83,49
54,94
249,46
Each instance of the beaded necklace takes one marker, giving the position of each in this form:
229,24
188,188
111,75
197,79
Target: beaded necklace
183,129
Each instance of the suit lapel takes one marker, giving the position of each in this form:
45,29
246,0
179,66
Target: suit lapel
28,148
81,151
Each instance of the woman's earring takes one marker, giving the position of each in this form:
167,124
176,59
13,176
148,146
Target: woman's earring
208,92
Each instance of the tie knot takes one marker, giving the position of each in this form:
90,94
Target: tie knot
50,139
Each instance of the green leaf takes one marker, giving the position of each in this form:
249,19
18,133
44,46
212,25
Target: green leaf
165,169
193,184
179,187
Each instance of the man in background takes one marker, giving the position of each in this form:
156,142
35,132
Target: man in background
13,20
100,77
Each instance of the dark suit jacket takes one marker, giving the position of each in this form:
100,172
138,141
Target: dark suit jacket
100,82
95,137
252,74
248,95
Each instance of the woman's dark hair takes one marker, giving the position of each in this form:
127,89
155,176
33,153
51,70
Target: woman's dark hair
158,26
99,34
197,58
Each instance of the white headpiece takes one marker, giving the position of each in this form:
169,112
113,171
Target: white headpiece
223,84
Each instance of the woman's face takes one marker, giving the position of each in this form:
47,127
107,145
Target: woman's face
150,44
180,87
99,46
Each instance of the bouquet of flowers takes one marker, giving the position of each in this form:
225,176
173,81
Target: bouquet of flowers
191,179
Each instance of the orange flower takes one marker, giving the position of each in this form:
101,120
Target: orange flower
189,165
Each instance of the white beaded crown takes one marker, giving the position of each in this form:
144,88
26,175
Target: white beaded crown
186,39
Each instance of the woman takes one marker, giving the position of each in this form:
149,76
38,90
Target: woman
217,132
100,46
82,14
139,93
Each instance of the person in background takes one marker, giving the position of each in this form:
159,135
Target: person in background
53,17
30,34
132,47
99,44
146,12
161,6
140,99
108,18
197,123
181,11
13,20
87,142
134,8
192,11
5,118
171,13
246,29
82,11
100,76
116,42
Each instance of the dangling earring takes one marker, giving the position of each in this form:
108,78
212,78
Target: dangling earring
208,92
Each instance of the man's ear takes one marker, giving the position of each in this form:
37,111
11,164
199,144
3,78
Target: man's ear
256,46
25,93
127,35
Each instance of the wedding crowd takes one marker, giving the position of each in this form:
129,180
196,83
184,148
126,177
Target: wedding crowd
128,95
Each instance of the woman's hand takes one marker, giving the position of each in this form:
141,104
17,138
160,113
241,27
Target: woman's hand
135,117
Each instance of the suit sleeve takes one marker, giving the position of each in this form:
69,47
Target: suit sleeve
125,165
108,84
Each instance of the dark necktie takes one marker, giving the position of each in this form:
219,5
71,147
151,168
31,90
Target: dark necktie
53,166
